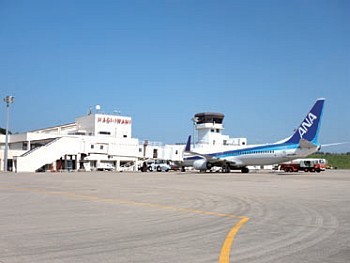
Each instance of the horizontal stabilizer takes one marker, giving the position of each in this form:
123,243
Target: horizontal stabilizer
305,144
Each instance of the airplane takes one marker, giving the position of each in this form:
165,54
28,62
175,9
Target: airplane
303,142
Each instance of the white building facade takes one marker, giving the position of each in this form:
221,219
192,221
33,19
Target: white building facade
95,141
102,141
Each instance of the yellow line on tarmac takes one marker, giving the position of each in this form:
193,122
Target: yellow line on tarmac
92,198
225,250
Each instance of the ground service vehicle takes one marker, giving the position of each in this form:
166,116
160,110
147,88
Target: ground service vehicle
306,165
156,165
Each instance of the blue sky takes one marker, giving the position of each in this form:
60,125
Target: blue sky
261,63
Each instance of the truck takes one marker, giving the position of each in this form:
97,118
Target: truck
306,165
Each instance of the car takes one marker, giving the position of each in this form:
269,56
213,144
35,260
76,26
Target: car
105,167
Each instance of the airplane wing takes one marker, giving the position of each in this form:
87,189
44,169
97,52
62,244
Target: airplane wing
334,144
210,159
205,156
214,161
190,152
219,162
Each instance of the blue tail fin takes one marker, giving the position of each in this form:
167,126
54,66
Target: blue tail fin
309,127
188,144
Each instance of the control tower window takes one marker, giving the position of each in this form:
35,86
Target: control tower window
200,120
218,121
209,117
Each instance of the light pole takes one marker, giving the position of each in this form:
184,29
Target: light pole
8,100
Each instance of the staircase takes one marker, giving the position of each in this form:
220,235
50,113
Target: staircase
46,154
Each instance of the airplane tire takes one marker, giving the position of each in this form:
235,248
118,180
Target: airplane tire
245,170
226,169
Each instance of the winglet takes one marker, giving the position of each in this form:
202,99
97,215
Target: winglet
309,127
188,144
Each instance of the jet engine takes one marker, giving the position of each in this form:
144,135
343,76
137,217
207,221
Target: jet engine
201,165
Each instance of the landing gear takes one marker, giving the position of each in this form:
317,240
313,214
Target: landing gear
245,170
226,168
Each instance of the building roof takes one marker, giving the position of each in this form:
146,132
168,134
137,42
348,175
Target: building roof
214,114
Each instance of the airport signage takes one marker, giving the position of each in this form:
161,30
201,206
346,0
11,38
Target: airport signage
114,120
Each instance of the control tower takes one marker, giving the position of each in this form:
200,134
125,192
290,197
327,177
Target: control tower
209,126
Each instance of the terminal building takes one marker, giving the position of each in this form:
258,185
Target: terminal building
101,142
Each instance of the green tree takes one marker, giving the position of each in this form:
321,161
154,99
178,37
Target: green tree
3,131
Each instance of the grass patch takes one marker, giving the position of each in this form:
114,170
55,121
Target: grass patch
338,161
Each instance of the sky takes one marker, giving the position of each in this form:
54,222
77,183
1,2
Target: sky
261,63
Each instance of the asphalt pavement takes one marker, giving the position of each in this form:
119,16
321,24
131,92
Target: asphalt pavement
175,217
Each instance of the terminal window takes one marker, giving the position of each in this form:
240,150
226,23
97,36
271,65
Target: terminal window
155,153
104,133
25,146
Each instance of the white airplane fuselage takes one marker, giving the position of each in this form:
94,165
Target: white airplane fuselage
303,142
253,154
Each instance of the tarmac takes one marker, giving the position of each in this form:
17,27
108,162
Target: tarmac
175,217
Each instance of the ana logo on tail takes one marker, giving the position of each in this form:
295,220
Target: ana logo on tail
308,129
307,123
